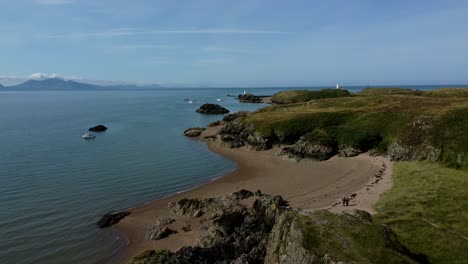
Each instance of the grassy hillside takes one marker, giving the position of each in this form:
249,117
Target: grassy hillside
290,97
435,120
427,207
350,239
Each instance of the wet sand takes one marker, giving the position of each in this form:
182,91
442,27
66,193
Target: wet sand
306,184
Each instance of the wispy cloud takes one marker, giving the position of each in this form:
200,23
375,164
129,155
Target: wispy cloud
143,46
122,32
54,2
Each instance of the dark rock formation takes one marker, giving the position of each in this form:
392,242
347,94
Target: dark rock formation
211,138
164,221
111,219
212,109
195,208
159,232
194,131
98,128
264,229
187,228
249,98
235,134
236,115
346,151
304,149
214,123
319,237
399,151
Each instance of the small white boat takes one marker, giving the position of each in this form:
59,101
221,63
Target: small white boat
219,100
88,136
190,102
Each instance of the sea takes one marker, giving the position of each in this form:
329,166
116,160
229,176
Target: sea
54,185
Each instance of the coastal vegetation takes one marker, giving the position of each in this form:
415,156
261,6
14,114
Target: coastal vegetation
247,227
290,97
426,131
427,208
429,125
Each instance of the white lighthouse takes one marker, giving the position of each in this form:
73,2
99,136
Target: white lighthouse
338,86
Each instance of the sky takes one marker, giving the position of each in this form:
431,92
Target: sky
242,43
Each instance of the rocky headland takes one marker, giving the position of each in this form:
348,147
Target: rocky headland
248,227
254,99
194,131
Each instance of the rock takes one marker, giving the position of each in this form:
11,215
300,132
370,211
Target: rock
424,151
268,231
235,134
242,194
98,128
346,151
211,138
303,149
194,131
236,115
212,109
158,232
228,221
187,228
111,219
215,123
164,221
300,237
197,213
238,235
249,98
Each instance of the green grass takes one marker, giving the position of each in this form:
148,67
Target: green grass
348,239
374,122
425,193
297,96
388,91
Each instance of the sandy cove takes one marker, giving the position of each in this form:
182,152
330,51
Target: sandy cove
306,184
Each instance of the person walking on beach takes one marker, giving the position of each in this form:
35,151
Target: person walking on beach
345,200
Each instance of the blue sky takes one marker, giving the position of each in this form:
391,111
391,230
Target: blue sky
237,43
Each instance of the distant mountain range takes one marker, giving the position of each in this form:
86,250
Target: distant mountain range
61,84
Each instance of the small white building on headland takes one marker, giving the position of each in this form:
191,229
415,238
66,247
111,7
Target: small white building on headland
338,86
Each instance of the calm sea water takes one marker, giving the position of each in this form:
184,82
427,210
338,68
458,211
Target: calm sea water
54,185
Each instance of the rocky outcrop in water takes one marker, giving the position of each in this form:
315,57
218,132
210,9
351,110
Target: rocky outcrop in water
249,98
194,131
98,128
212,109
110,219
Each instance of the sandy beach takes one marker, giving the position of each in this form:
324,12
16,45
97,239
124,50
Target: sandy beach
306,185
